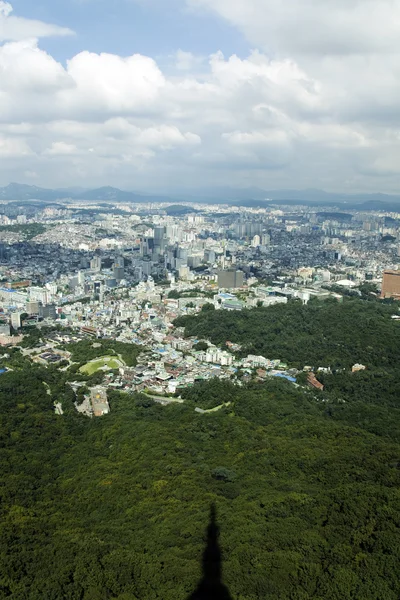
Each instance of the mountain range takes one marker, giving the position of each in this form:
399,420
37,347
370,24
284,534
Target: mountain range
19,192
251,197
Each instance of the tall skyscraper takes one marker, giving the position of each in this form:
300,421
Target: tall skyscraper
159,240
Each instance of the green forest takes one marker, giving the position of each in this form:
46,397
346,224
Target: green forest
85,350
305,484
318,334
29,230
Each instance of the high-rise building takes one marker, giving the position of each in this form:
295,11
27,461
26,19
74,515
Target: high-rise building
159,233
118,272
97,288
16,320
230,278
391,285
209,256
111,283
32,307
184,272
48,311
146,246
159,240
38,294
194,260
265,239
95,263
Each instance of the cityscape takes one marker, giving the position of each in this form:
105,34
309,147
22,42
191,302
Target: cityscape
199,300
127,272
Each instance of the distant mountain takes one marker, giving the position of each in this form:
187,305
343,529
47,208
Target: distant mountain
390,204
253,197
111,194
250,197
350,202
21,192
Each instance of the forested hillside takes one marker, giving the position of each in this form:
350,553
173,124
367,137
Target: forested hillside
117,507
320,333
326,334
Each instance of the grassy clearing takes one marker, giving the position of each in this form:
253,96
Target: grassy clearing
105,361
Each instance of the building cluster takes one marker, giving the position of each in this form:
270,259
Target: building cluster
128,272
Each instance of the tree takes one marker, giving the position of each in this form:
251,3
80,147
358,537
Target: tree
207,307
200,346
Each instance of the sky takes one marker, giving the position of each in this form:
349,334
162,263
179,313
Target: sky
187,95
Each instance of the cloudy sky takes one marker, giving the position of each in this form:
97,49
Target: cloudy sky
170,95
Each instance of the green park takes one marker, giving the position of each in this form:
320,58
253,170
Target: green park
104,363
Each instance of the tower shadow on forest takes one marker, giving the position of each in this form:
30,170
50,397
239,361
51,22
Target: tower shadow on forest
211,586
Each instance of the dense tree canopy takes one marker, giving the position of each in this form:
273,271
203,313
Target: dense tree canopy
306,484
320,333
29,230
117,507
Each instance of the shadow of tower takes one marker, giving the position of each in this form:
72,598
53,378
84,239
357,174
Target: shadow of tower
211,586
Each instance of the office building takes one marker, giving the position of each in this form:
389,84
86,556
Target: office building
209,256
159,241
184,272
265,239
230,278
48,311
32,307
16,320
111,283
118,272
95,264
38,294
391,285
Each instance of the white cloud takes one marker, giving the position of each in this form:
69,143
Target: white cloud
257,138
313,27
26,68
346,51
18,28
111,83
291,117
118,133
34,84
61,149
13,148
